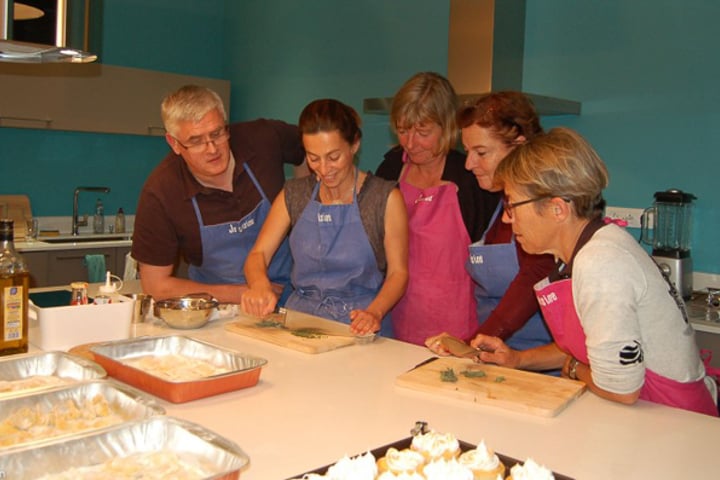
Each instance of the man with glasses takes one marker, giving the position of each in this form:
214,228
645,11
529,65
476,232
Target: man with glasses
207,200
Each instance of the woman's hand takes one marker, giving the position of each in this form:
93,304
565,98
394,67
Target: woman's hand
494,350
364,322
259,302
436,346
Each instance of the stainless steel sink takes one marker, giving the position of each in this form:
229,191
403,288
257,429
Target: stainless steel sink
87,238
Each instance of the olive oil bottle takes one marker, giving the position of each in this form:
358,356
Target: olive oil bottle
14,286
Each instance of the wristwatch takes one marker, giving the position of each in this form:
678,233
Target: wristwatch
572,368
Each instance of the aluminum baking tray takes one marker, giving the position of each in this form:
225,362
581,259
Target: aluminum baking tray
25,420
50,369
242,370
194,445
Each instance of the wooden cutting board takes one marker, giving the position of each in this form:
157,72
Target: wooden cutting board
516,390
294,320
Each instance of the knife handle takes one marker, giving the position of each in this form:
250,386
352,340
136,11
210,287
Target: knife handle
424,362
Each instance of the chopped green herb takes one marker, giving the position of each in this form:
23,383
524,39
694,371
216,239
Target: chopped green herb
269,324
499,379
448,375
307,332
474,373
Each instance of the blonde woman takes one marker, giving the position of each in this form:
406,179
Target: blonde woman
447,210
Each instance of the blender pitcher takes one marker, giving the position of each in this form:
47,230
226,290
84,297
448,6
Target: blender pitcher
670,239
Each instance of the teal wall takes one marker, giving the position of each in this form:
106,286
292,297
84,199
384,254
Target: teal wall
644,70
294,52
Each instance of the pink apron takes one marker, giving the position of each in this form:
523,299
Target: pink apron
439,294
556,302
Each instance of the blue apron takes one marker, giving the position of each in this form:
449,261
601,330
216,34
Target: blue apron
334,269
493,268
225,246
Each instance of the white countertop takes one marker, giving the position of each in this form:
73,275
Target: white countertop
88,241
309,410
62,224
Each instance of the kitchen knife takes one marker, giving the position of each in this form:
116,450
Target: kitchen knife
278,316
459,348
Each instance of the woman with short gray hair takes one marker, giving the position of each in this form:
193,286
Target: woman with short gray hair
614,317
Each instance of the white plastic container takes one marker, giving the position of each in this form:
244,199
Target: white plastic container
64,327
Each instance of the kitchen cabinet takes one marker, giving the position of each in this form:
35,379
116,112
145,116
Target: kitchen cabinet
90,97
60,267
37,263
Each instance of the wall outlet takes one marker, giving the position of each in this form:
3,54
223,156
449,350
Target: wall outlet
630,215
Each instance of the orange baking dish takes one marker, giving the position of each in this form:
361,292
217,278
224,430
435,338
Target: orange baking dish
238,370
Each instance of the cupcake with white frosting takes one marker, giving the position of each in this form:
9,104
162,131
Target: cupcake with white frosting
447,470
435,446
401,461
530,470
400,476
483,462
362,467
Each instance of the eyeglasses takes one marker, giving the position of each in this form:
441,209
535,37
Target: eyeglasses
199,144
510,206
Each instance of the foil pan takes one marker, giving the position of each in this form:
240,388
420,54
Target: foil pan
196,446
242,370
23,374
58,414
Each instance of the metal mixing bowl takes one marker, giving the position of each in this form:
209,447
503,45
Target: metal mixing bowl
186,312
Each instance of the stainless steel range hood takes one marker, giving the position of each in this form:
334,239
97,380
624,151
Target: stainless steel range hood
486,44
12,50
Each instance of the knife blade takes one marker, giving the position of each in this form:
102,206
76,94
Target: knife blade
460,349
278,316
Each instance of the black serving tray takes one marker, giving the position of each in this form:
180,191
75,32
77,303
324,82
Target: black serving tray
509,462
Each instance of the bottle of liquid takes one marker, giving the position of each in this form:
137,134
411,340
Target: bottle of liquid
109,291
99,218
79,295
120,221
14,287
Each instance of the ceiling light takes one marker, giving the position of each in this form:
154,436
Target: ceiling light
26,12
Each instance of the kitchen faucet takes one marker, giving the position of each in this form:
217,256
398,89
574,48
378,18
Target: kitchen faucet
76,222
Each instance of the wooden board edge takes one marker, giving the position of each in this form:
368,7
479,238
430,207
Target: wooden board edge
407,380
292,344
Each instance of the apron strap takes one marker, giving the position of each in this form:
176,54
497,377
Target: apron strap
706,356
495,214
197,211
254,180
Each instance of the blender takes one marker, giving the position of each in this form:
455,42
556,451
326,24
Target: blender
670,240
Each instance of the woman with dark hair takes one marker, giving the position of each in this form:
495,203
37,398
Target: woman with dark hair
504,274
348,231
